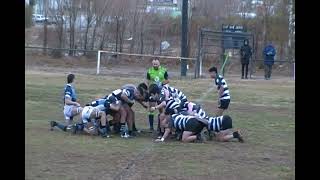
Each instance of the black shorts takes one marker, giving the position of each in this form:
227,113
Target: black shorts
194,125
224,103
226,122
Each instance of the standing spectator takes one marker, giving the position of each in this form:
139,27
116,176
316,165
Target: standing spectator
269,52
156,75
246,53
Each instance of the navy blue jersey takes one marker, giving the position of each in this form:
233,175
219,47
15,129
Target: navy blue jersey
129,92
104,104
69,92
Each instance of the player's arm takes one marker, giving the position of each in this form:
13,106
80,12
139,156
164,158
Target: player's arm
67,100
115,106
161,105
143,103
221,89
166,80
168,126
126,98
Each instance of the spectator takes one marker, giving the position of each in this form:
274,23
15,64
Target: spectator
246,53
269,52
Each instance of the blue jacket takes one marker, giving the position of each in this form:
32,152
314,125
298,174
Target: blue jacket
269,52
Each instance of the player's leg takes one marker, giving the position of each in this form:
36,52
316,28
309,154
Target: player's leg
58,125
223,105
103,123
219,111
161,121
123,118
192,131
130,120
151,115
115,122
227,135
188,136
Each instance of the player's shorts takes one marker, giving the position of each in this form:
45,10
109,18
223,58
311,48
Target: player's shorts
226,122
194,125
224,103
67,111
86,113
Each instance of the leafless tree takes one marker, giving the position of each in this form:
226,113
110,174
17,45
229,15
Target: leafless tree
72,8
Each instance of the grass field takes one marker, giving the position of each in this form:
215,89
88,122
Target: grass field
263,109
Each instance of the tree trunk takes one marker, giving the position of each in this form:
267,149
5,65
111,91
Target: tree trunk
117,33
122,31
45,28
94,36
141,38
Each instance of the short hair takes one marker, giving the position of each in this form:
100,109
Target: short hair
154,89
70,78
213,69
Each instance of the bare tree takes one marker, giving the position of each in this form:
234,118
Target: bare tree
102,19
72,8
45,28
89,20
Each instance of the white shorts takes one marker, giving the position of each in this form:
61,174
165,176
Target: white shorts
67,111
86,112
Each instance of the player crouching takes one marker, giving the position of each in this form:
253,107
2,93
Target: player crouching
190,126
221,126
94,122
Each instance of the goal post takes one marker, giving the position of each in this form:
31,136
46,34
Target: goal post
138,55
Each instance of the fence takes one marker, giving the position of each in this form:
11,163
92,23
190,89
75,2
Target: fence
104,62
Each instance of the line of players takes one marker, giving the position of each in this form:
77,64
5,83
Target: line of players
177,115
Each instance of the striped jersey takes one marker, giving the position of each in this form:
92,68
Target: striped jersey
179,121
221,82
174,93
215,123
195,108
171,106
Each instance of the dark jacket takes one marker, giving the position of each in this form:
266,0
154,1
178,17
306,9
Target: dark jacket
245,53
269,52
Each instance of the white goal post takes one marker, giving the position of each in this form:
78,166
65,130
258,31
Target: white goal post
140,55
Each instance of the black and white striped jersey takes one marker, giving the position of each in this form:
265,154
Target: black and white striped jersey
215,123
172,106
179,121
195,108
174,93
221,82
